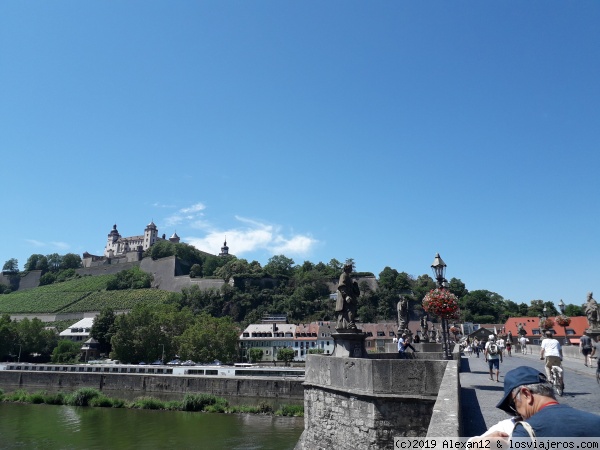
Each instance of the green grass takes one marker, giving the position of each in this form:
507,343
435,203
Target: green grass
191,402
79,295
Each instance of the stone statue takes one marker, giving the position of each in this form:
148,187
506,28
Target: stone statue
520,330
425,327
402,308
347,298
591,311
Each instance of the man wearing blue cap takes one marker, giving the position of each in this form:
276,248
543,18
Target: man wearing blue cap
527,393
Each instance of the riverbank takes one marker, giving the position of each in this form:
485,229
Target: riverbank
191,402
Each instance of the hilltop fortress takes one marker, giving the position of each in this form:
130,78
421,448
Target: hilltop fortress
121,249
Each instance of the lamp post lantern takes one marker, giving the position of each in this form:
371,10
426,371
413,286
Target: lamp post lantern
561,306
439,270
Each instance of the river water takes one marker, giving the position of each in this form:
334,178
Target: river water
27,426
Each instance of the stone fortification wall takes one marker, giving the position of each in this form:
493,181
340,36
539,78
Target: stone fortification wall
23,280
146,384
107,269
164,270
364,403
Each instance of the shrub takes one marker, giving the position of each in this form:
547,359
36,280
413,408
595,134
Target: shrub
147,403
81,397
102,401
264,408
19,395
57,398
37,398
290,410
199,402
118,403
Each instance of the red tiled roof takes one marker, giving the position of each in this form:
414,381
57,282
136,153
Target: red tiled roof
578,324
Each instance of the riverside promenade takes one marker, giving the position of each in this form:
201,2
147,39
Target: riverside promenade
479,394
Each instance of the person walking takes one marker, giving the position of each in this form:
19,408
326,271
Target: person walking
528,394
493,356
551,351
585,348
523,341
476,347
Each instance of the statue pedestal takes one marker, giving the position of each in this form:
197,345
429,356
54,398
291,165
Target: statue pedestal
349,344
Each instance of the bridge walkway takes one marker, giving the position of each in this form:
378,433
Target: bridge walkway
479,394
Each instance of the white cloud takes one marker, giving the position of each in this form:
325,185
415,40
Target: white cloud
54,245
35,243
250,236
254,236
188,214
194,208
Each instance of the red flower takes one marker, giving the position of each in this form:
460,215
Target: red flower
563,321
442,303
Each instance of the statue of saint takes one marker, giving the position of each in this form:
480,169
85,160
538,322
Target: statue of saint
347,298
402,308
520,330
425,327
591,311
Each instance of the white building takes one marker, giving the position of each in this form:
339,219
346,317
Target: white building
116,245
79,331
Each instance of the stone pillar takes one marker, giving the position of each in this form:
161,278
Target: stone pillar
349,344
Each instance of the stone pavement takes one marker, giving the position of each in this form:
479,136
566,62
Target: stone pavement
479,394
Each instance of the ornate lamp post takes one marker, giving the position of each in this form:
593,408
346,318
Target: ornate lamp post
439,270
564,321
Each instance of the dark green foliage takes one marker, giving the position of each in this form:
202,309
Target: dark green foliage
290,410
81,397
286,355
103,329
147,403
66,352
134,278
199,402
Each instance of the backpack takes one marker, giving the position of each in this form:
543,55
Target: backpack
492,349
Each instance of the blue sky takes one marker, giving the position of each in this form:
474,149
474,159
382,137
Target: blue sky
379,131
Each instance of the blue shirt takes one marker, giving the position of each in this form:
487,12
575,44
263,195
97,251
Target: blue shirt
561,421
401,346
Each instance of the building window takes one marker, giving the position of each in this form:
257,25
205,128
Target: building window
535,331
381,333
570,331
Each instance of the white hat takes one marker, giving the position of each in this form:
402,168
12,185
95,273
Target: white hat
492,337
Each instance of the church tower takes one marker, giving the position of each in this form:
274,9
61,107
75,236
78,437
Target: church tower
224,249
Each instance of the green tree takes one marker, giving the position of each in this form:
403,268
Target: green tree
280,265
37,262
54,262
209,338
481,306
66,352
12,265
134,278
457,287
572,310
8,337
286,355
70,261
255,355
103,329
32,337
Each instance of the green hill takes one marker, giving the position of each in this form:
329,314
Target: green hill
78,295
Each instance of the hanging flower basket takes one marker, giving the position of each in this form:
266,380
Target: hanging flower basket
442,303
547,324
563,321
455,330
